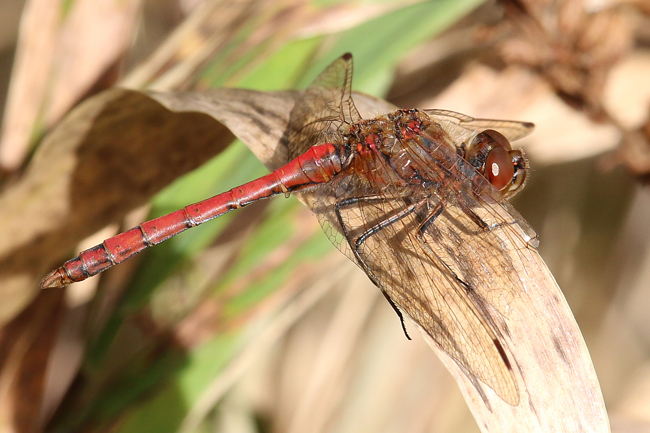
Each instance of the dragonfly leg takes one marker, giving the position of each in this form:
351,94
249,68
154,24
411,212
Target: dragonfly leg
355,200
475,218
483,226
461,203
387,222
430,219
357,242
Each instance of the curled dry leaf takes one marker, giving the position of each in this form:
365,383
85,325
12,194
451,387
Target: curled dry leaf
117,149
108,156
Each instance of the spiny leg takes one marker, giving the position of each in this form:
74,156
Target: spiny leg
387,222
461,203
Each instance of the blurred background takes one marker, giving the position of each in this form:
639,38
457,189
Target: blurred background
254,322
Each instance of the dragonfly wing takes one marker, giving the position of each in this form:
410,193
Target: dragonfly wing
453,278
326,109
457,125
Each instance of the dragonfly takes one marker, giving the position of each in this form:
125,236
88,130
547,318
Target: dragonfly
416,198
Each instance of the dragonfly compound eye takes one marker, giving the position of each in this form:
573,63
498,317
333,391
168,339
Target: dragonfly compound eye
492,155
499,168
498,139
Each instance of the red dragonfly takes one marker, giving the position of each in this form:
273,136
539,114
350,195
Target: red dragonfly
416,198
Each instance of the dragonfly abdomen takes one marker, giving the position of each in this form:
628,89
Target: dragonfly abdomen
319,164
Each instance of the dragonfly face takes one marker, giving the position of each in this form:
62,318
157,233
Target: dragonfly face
492,155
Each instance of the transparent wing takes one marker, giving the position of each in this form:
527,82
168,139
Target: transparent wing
454,123
326,110
452,277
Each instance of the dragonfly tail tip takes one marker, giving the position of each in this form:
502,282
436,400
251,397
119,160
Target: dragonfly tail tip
55,280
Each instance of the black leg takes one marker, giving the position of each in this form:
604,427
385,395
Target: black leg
472,215
483,226
430,219
399,313
387,222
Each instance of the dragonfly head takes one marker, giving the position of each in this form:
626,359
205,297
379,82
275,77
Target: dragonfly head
492,155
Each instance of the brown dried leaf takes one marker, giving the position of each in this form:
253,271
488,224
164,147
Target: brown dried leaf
25,345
